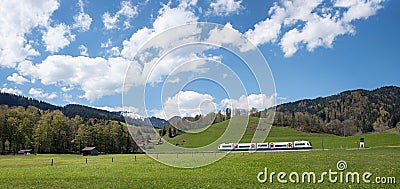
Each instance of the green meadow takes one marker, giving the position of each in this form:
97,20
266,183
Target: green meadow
381,158
236,170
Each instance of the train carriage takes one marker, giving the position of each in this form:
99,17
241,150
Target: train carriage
295,145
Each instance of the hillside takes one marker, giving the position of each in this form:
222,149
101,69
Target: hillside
70,110
347,113
278,133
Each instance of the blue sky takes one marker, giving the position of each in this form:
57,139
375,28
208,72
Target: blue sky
79,51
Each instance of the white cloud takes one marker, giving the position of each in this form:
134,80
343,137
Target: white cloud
82,20
106,44
174,80
360,9
68,98
225,7
189,103
127,10
17,19
259,101
172,17
83,50
38,93
11,91
98,77
310,23
57,37
168,18
95,76
17,79
114,51
109,21
269,29
228,35
66,89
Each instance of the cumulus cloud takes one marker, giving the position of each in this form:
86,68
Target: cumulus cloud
310,23
95,76
39,93
82,20
18,18
98,77
11,91
17,79
127,10
225,7
57,37
189,103
152,67
228,35
168,18
259,101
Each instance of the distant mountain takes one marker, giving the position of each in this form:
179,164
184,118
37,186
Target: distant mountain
17,100
346,113
71,110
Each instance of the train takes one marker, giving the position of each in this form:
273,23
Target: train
295,145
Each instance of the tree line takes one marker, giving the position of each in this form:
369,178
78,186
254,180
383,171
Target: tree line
344,114
50,131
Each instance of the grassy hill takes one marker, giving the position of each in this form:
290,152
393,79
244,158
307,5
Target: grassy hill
277,133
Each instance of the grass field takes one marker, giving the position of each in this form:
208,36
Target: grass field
236,170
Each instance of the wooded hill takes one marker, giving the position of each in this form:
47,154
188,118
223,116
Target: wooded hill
347,113
70,110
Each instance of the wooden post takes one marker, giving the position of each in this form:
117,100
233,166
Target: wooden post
86,160
52,160
135,158
112,159
157,155
177,155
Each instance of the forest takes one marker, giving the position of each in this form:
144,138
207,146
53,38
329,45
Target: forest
345,114
50,131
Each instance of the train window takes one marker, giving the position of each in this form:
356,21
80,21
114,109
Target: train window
244,146
280,145
299,144
263,145
227,146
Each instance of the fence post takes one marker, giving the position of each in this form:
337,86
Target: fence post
52,162
112,159
86,160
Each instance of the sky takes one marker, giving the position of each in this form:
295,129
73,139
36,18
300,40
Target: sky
103,53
